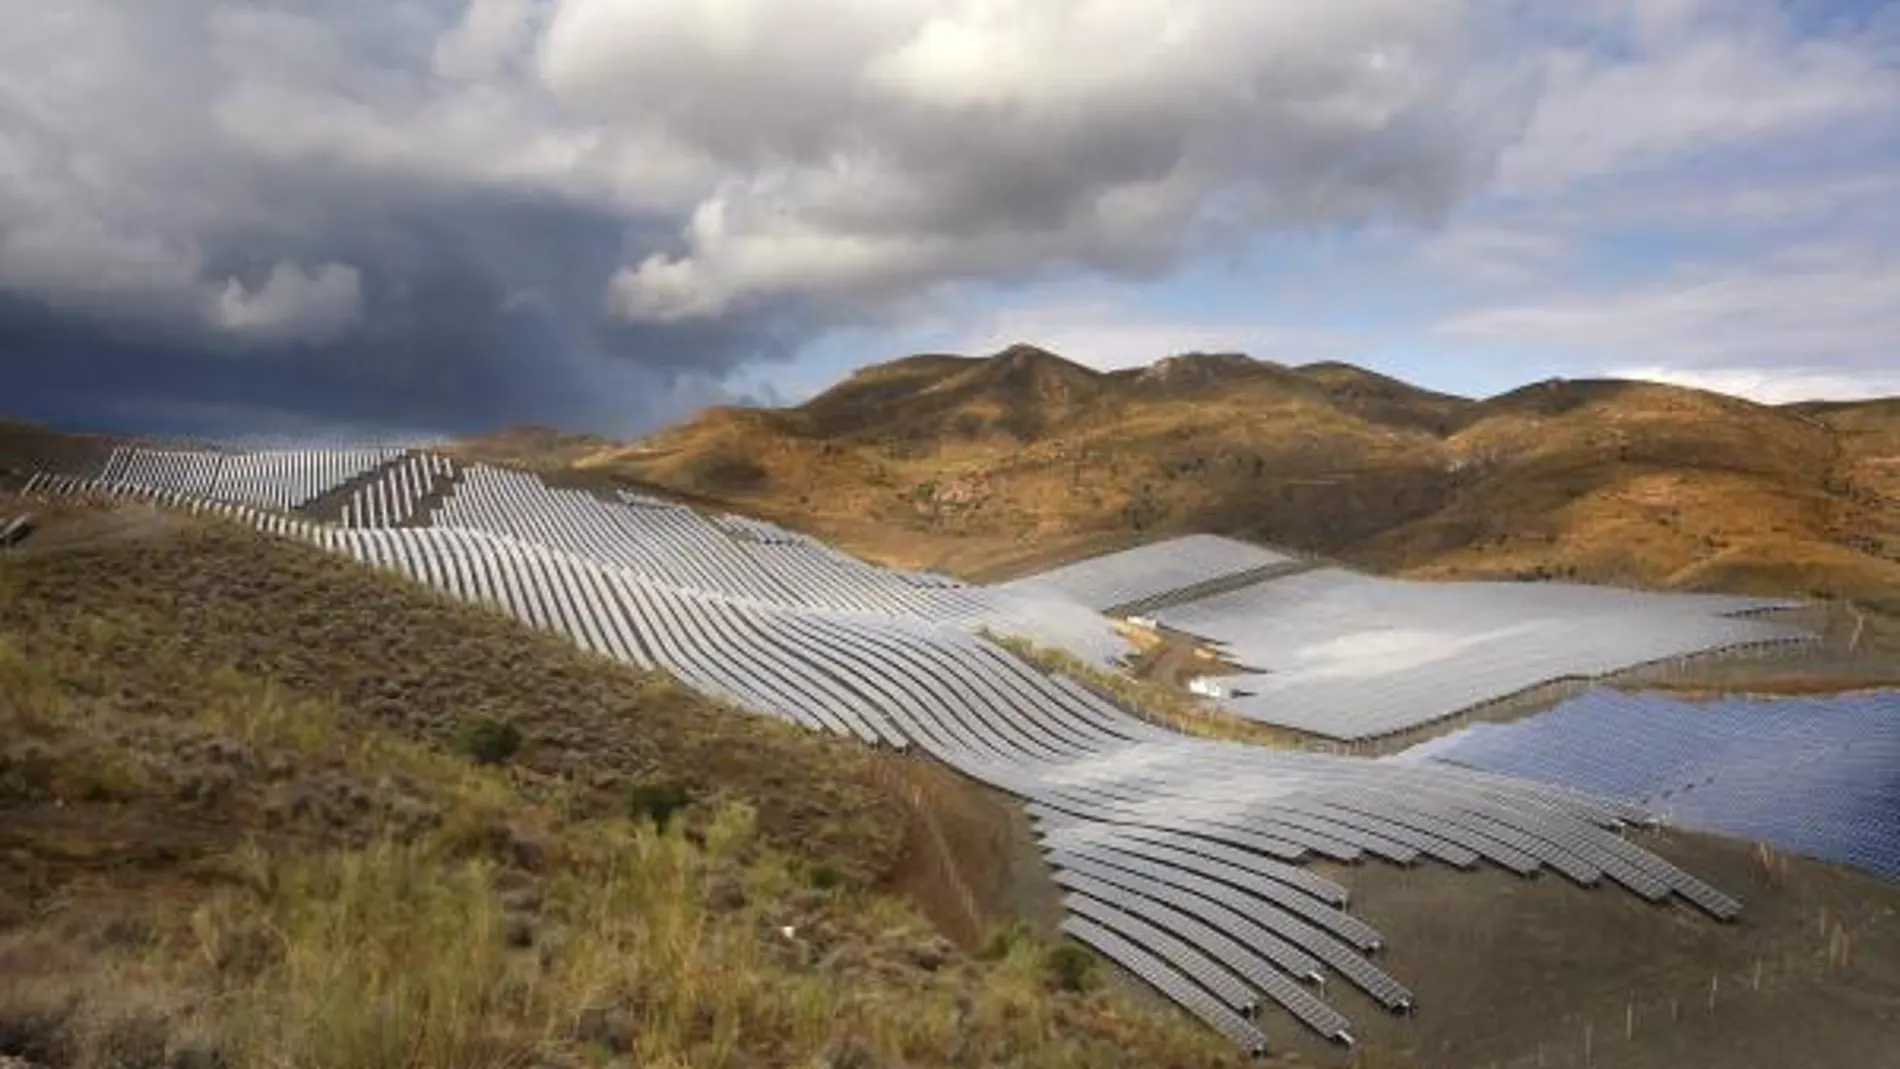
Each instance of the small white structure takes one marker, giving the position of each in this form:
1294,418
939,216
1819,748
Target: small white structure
1208,687
1144,621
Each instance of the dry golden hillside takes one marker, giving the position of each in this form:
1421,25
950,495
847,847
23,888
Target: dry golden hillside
988,466
262,807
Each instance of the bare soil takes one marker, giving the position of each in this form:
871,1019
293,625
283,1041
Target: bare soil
1513,972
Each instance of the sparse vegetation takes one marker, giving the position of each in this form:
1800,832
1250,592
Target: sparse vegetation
1151,701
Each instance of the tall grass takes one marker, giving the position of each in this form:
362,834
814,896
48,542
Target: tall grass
385,958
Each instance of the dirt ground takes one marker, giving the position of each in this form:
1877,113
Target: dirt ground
970,857
1525,973
1522,973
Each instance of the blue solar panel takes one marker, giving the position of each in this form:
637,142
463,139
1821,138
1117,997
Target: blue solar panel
1813,775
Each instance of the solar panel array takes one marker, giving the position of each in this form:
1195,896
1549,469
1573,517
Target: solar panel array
1142,573
284,479
393,496
1351,656
1818,775
1180,858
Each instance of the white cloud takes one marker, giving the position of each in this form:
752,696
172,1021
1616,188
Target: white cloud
1774,386
292,304
1834,307
871,150
1494,254
854,153
1693,78
490,35
1106,335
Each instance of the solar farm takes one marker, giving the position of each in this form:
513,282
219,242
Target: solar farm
1181,859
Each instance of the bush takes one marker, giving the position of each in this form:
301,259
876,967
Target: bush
490,741
825,877
658,801
1069,968
1002,939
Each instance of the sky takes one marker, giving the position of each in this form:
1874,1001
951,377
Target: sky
267,218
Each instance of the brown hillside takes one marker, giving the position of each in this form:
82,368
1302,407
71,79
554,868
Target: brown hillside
1019,393
1383,399
987,466
532,446
255,811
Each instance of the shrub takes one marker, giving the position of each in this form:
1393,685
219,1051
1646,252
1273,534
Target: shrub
825,877
490,741
1069,968
1002,939
658,801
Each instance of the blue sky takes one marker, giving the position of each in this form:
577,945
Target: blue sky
429,216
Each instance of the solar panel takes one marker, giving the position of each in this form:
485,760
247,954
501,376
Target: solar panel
1814,775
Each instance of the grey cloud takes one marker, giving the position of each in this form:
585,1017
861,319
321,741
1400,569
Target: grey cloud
972,140
293,304
440,215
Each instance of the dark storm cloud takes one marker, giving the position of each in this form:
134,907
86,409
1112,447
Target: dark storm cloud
470,319
435,215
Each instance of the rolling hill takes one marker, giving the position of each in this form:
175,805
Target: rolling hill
261,806
987,467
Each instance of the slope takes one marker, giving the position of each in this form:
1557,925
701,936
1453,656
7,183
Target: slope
264,807
956,464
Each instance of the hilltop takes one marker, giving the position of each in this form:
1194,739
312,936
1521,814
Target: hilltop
990,466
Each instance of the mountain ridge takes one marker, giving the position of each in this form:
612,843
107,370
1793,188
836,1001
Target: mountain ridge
981,464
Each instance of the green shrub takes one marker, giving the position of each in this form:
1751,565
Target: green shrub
490,741
1002,939
658,801
825,877
1069,968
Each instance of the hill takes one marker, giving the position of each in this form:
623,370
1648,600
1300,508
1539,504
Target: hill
263,807
990,466
408,819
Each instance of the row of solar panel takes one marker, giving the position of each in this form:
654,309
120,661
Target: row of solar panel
678,546
1145,572
1815,775
393,496
282,480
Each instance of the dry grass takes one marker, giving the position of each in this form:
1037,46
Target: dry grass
247,837
162,615
644,947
